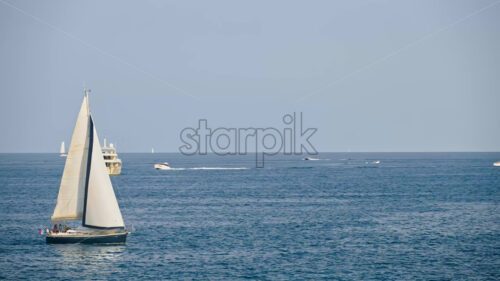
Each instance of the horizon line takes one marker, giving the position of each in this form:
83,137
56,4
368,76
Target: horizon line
252,152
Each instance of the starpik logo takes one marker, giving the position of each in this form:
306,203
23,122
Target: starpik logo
291,139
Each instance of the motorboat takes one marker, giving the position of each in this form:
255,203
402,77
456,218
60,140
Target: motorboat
311,159
496,164
162,166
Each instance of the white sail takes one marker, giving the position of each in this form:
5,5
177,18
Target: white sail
63,148
72,189
101,210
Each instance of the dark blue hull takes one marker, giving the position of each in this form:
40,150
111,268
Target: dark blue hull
97,239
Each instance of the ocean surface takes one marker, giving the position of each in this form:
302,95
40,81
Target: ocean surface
414,216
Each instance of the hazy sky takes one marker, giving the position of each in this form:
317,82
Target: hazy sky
370,75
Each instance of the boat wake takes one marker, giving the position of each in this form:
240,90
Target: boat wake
314,159
206,168
310,159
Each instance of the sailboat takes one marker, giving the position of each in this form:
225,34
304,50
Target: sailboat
63,150
86,193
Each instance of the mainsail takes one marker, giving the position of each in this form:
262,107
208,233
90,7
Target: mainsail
86,191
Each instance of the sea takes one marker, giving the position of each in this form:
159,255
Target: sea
413,216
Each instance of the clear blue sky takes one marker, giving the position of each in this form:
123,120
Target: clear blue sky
370,75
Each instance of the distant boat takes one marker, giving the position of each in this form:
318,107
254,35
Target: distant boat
152,150
376,162
63,150
162,166
113,163
496,164
86,192
311,159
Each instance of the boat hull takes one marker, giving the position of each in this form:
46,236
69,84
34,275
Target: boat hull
114,170
87,239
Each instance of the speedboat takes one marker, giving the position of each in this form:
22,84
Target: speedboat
162,166
496,164
311,159
376,162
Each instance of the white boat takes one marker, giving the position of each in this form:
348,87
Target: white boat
376,162
496,164
113,163
86,193
162,166
152,150
63,150
311,159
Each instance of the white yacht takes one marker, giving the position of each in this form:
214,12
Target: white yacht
496,164
311,159
162,166
113,163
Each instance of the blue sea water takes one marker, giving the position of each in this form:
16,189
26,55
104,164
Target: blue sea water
414,216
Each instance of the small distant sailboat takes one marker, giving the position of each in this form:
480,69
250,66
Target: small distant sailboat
152,150
496,164
86,192
63,150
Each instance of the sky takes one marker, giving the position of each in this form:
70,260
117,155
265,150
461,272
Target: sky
384,76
